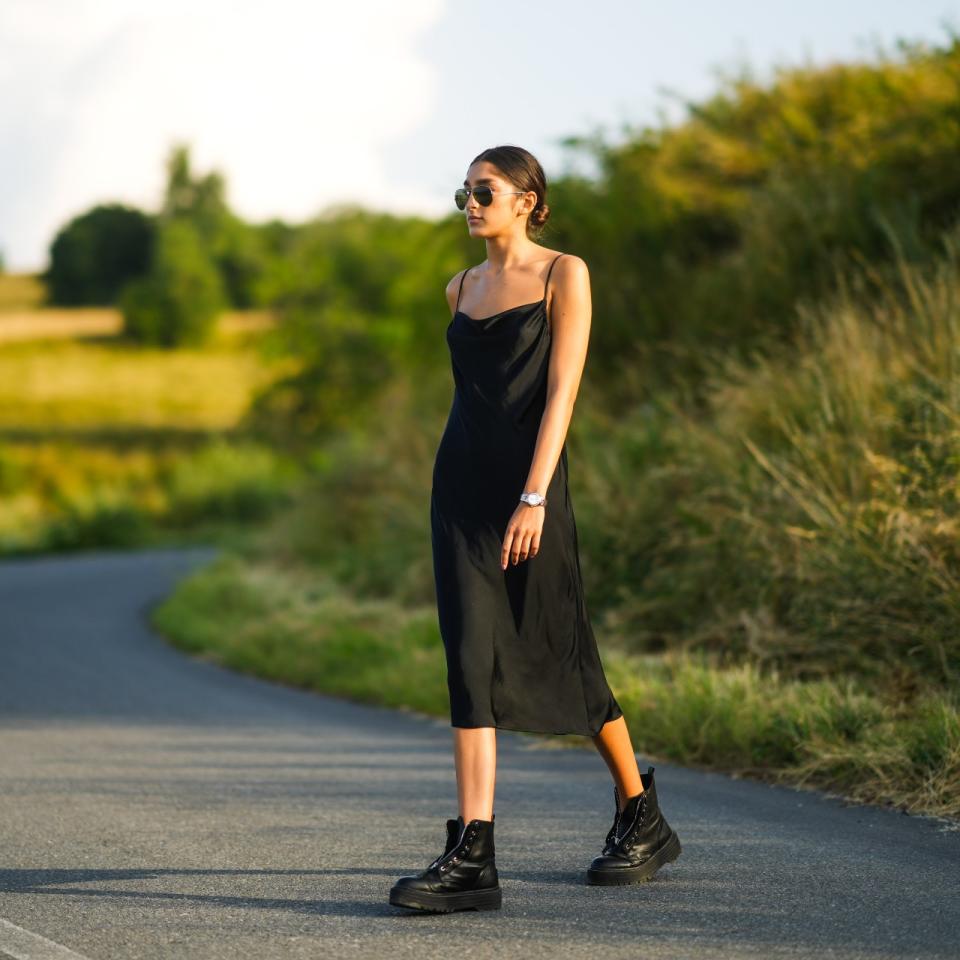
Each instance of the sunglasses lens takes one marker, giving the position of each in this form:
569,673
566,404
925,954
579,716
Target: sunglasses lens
483,194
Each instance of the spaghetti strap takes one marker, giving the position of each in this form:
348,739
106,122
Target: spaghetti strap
460,290
546,284
547,281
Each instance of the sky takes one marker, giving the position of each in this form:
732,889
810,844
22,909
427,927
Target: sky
306,103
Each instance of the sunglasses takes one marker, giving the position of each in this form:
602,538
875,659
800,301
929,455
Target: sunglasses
484,195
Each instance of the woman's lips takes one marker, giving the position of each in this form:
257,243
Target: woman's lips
474,219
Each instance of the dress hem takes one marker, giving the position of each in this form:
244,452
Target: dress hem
525,729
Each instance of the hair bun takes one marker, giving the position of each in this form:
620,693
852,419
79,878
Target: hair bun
540,215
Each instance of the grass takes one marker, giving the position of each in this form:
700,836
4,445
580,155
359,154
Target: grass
20,291
84,384
806,518
107,444
294,626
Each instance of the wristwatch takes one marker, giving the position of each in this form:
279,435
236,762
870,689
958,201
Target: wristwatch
534,499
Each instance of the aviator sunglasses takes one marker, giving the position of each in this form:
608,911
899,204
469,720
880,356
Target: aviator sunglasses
483,194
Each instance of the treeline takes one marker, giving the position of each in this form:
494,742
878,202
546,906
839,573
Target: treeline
171,272
702,238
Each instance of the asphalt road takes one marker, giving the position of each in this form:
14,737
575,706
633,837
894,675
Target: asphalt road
157,806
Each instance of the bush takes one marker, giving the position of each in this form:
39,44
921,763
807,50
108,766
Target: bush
178,302
225,482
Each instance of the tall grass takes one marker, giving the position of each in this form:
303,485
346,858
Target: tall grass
807,516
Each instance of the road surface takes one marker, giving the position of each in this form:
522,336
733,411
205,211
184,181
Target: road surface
158,806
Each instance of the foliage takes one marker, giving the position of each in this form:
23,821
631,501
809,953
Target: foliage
806,515
361,312
94,255
237,250
178,302
703,237
764,456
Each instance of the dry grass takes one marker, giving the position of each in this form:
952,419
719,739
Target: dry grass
75,323
20,291
65,369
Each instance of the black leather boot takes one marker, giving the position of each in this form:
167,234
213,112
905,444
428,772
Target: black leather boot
608,843
453,832
463,877
642,841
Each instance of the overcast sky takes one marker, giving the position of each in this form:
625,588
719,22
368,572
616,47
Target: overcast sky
301,103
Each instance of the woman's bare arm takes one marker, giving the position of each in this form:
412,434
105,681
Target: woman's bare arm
570,316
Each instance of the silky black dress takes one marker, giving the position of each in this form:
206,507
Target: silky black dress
520,650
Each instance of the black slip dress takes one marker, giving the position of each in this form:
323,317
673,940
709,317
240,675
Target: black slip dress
520,650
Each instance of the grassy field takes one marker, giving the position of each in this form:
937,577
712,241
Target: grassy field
107,444
93,383
20,292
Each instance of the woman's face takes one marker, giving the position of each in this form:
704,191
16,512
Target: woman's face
509,208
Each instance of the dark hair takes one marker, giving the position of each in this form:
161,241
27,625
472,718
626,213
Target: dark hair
523,170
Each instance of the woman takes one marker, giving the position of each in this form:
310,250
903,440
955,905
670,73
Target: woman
519,647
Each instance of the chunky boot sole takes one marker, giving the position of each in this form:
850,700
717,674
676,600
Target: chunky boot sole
488,899
618,875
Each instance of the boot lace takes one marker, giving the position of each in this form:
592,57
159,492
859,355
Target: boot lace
630,835
450,859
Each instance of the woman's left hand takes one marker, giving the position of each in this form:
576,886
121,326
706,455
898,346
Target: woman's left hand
522,539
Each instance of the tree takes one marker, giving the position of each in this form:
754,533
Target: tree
236,248
178,302
94,256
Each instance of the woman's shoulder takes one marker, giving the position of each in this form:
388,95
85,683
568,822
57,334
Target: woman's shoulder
568,269
569,261
453,286
454,281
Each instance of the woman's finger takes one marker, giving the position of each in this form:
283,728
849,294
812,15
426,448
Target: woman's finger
507,545
535,545
525,545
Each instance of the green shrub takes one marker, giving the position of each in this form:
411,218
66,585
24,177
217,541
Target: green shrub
227,481
177,303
